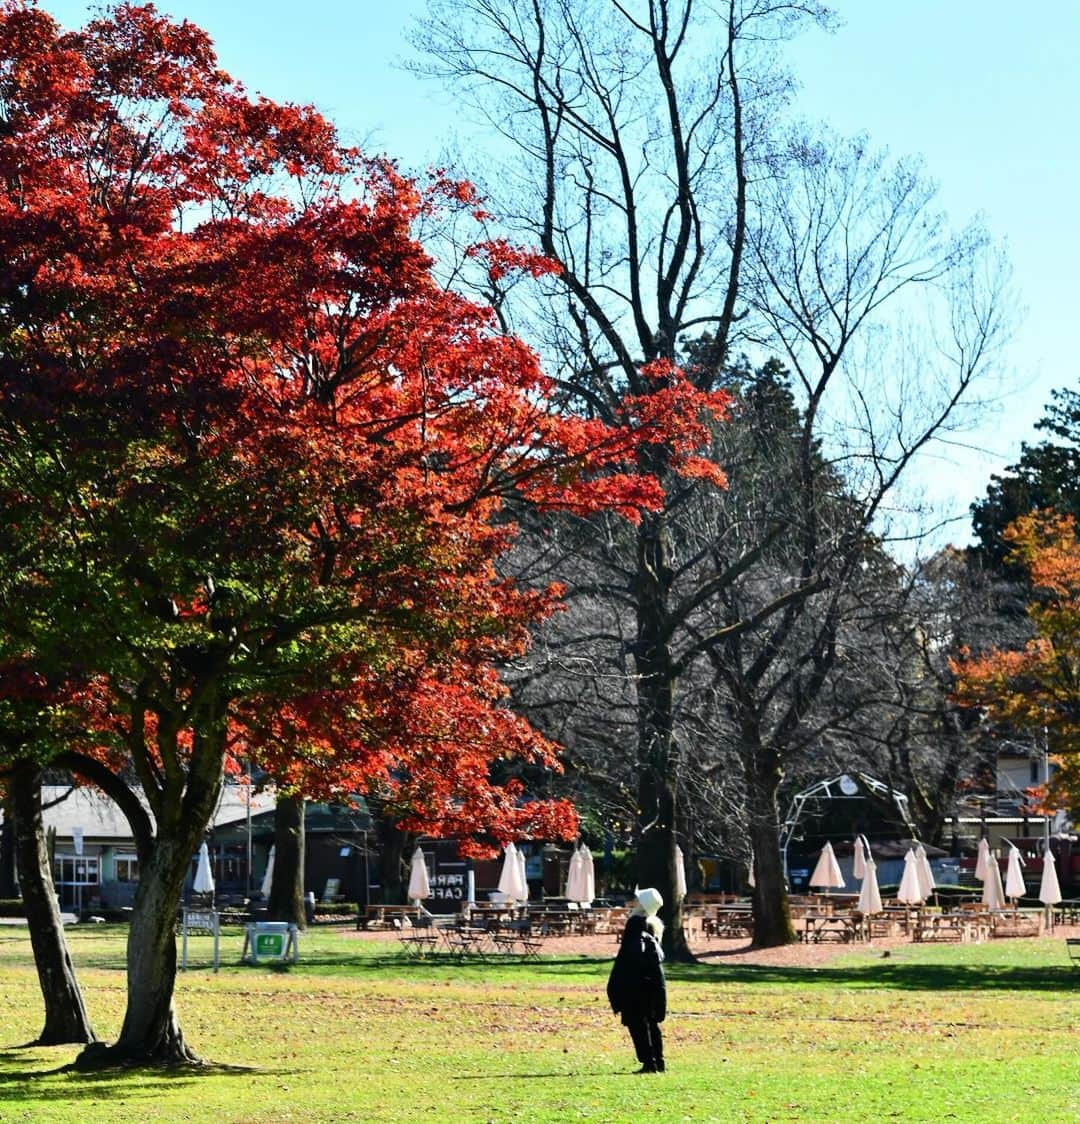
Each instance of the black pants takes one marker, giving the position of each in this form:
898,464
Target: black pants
648,1041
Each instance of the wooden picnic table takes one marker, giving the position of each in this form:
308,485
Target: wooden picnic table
1015,923
827,926
552,922
955,925
728,921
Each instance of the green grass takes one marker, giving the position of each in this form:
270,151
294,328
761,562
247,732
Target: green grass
973,1033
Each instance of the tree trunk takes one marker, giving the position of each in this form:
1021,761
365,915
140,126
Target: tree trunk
772,913
287,888
7,852
151,1034
658,765
66,1019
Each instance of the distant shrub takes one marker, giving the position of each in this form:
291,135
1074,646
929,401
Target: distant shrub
336,909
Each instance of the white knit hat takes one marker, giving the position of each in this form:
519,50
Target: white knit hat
649,900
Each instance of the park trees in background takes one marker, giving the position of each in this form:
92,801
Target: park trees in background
1047,476
650,154
253,458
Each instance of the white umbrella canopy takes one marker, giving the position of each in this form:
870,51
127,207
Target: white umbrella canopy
524,876
982,859
827,872
588,873
204,876
1049,887
419,886
926,873
680,873
858,863
512,884
1014,879
575,877
910,890
268,876
869,895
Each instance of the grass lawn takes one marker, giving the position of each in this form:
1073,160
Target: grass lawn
355,1032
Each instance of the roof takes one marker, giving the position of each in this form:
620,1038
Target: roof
331,819
65,808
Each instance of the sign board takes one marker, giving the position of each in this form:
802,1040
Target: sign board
270,940
332,889
77,839
204,921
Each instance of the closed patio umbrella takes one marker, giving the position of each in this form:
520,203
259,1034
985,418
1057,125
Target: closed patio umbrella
588,875
993,896
512,884
575,881
1049,887
910,891
982,859
524,875
419,886
204,876
203,882
858,862
827,872
869,895
1014,879
268,876
680,873
926,873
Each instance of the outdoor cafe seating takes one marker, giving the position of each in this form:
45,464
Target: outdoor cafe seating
517,936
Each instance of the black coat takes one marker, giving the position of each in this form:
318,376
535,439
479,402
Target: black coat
636,987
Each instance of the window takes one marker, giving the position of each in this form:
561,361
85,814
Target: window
76,870
127,868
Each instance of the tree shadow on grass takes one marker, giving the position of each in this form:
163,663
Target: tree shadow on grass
893,976
440,964
139,1081
882,974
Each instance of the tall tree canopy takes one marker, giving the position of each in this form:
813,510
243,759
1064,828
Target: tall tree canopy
252,457
648,150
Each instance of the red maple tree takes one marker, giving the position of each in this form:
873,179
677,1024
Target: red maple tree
253,456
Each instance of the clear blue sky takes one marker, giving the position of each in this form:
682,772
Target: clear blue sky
986,92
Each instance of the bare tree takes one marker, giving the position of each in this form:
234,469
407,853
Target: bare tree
652,159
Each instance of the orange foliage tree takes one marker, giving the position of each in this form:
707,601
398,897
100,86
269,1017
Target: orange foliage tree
1037,687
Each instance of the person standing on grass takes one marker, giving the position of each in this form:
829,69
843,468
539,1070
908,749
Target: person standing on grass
636,987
